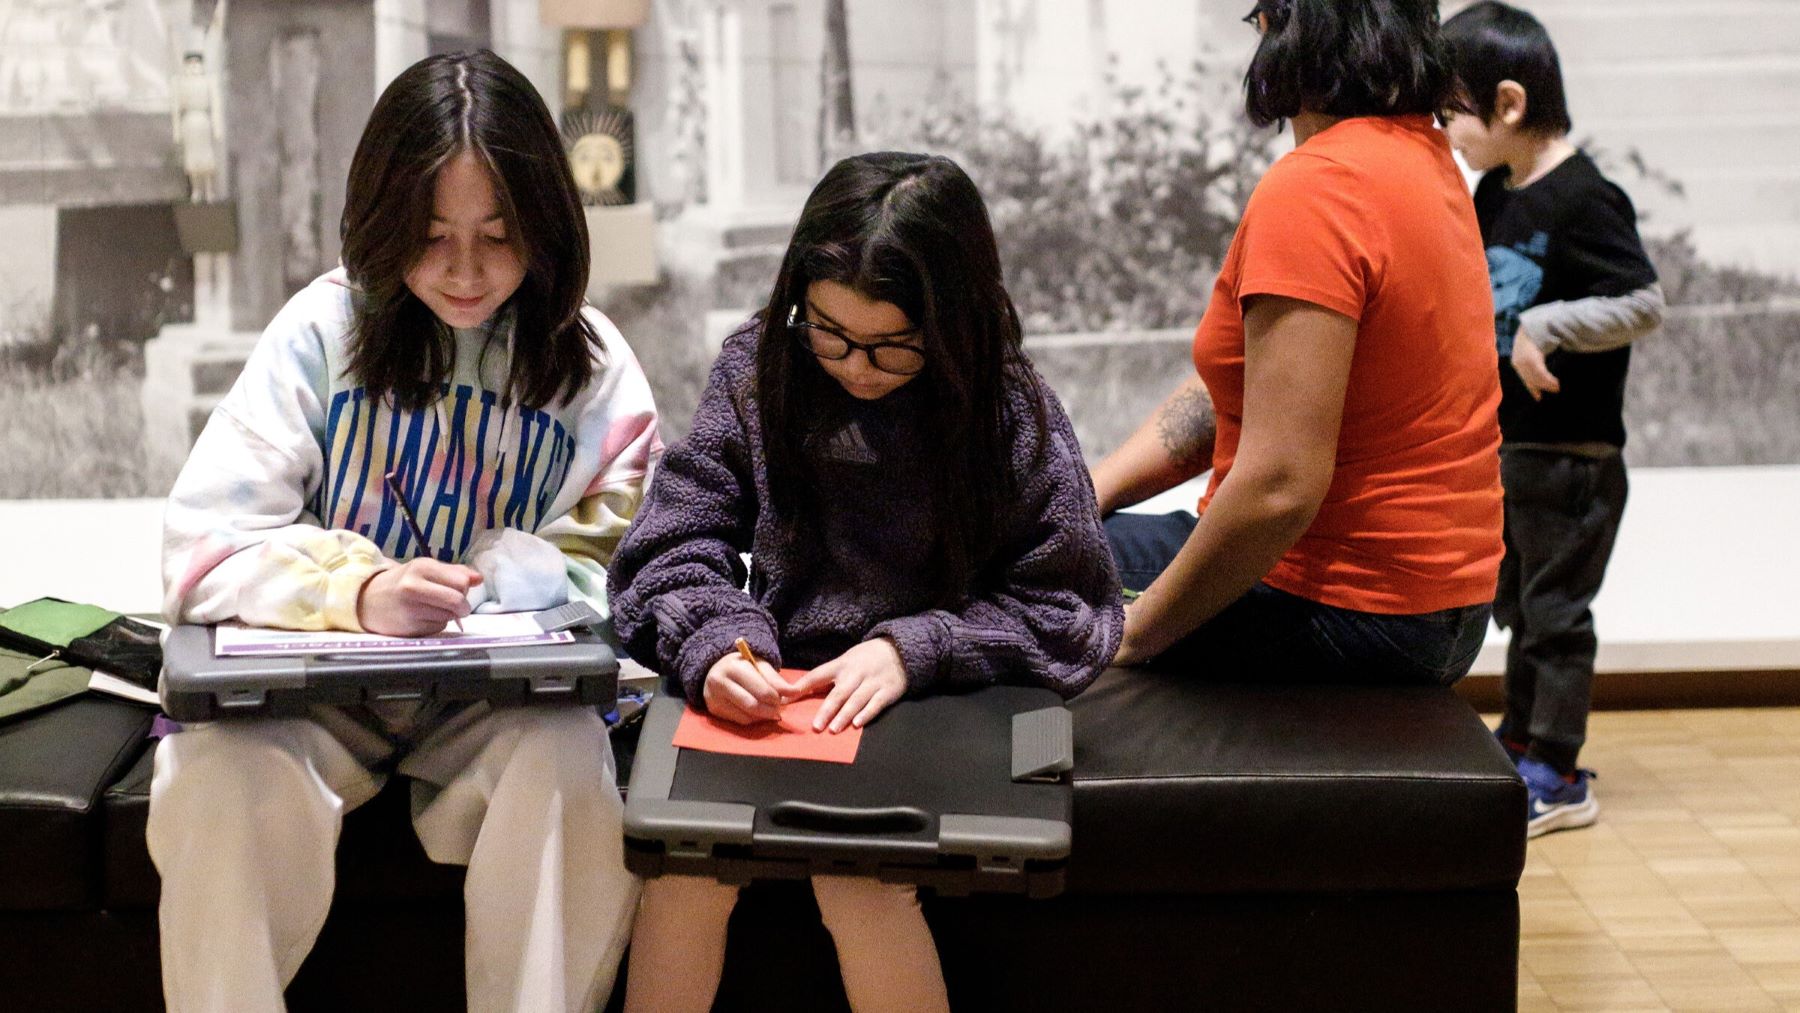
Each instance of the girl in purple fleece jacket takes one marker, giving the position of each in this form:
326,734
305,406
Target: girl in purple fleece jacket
918,517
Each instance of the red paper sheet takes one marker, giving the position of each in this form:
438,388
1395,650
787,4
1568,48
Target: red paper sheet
790,738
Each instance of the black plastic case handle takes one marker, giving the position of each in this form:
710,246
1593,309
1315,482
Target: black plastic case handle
833,819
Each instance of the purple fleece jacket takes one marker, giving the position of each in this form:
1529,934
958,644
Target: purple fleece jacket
1047,612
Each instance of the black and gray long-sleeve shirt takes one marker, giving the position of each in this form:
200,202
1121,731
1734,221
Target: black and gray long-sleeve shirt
1046,610
1568,267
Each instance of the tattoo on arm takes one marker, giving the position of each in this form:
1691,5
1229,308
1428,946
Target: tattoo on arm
1187,427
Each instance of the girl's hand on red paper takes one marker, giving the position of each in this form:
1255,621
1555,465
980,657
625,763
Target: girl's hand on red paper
742,693
416,598
864,680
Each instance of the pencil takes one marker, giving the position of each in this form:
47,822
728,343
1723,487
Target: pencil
412,524
744,651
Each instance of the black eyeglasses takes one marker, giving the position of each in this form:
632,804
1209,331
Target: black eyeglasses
827,343
1267,15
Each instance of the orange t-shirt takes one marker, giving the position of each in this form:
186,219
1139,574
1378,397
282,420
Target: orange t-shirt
1370,218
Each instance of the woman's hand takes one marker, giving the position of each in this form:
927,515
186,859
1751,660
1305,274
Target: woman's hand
863,681
416,598
742,693
1134,648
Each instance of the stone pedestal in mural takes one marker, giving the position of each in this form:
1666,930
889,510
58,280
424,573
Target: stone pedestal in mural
298,82
187,369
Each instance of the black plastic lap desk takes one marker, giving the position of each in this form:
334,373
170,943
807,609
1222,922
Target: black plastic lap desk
930,801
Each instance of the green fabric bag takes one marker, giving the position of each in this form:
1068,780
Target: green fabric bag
28,683
51,648
54,621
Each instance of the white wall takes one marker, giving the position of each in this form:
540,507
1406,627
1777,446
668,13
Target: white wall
27,267
1707,92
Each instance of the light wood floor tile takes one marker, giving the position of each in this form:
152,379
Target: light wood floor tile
1532,995
1743,913
1714,967
1546,890
1613,803
1558,959
1705,982
1750,824
1673,840
1781,768
1750,746
1680,759
1715,999
1621,881
1779,980
1601,844
1776,944
1629,916
1786,886
1656,926
1673,944
1612,994
1720,720
1686,894
1698,867
1551,919
1710,807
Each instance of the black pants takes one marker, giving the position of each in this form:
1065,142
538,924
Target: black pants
1562,517
1269,635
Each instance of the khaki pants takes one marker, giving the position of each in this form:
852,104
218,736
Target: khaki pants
244,821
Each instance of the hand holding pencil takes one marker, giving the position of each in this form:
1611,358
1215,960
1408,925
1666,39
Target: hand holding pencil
417,597
742,688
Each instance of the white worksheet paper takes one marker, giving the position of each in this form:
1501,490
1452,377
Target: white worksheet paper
501,629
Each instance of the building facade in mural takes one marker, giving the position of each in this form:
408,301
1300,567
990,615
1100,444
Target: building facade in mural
1104,132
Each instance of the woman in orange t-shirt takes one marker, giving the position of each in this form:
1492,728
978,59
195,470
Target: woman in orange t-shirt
1345,391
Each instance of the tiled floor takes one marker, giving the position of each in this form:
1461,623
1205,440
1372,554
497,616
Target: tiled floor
1686,894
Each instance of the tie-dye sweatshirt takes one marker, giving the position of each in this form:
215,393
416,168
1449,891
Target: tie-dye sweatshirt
280,515
1046,610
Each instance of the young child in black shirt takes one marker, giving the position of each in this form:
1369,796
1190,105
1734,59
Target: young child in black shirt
1572,290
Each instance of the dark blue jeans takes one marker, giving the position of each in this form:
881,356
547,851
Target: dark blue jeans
1269,635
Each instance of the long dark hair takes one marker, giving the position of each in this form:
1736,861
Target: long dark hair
435,110
1350,58
910,230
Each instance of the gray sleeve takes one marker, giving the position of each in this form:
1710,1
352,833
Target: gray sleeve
1594,324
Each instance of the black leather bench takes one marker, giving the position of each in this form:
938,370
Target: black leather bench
1236,847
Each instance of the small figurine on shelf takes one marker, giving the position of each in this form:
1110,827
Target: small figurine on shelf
194,127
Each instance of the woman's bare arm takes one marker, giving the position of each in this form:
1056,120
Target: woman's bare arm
1296,370
1173,445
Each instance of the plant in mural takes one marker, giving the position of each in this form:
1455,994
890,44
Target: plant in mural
1120,225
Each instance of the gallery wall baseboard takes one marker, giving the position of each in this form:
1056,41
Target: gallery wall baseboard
1662,690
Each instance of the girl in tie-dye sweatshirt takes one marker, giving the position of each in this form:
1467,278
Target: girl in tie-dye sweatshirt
453,350
280,516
